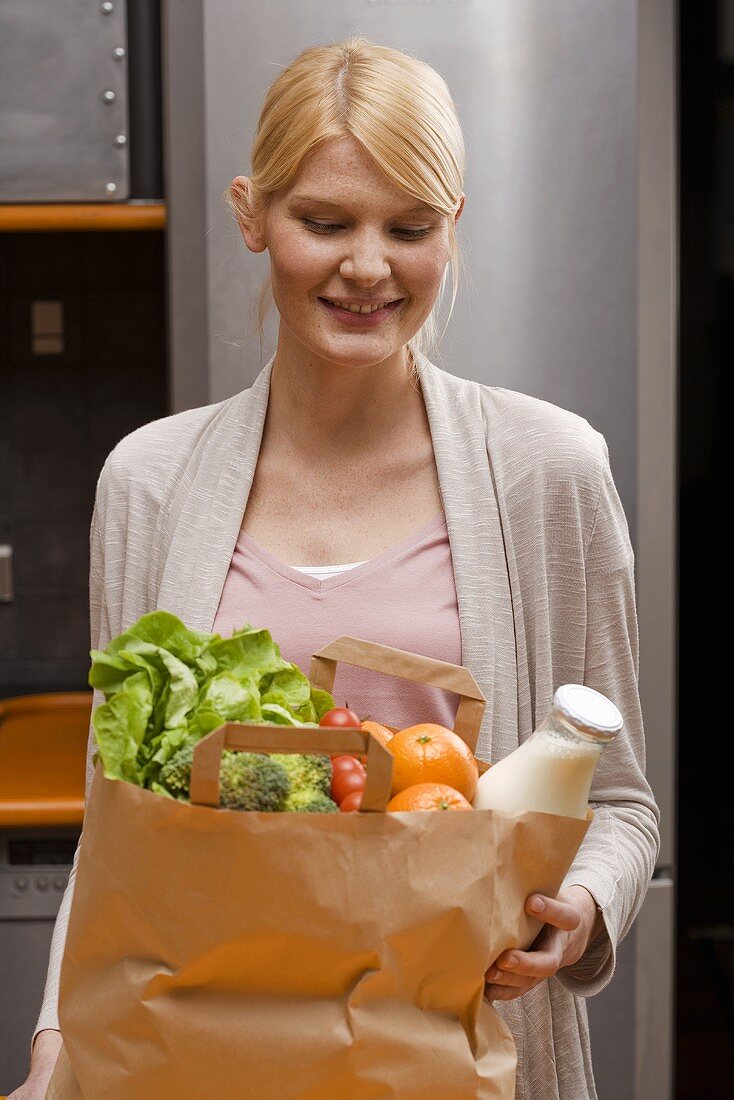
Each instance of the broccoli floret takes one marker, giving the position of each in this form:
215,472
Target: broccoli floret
253,781
247,780
175,775
306,771
310,802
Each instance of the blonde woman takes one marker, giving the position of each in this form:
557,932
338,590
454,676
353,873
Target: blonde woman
358,488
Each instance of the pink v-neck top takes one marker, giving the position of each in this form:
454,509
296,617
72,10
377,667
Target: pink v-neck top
404,597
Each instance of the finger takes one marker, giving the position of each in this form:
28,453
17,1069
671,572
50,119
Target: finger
529,964
505,978
505,992
561,914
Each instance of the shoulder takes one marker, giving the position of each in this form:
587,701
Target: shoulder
550,465
526,428
540,454
548,450
523,431
149,458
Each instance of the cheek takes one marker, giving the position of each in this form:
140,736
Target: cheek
423,265
297,260
424,270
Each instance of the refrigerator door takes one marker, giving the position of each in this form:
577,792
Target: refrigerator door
631,1022
654,1007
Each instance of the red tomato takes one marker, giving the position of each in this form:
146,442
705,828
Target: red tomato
345,762
351,802
339,716
341,765
346,782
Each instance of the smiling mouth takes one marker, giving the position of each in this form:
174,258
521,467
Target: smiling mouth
361,310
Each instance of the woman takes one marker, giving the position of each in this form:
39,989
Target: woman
460,520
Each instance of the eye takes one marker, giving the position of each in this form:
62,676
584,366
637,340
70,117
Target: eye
328,228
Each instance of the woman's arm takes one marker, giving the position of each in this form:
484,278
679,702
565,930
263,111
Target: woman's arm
617,858
606,884
99,637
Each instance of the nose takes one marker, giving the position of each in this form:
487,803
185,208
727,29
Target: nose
365,262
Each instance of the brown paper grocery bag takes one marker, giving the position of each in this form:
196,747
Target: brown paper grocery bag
311,956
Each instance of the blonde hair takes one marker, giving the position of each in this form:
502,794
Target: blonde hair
398,108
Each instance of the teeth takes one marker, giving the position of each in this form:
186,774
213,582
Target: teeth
358,309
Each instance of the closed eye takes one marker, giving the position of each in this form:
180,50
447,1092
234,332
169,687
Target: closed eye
328,227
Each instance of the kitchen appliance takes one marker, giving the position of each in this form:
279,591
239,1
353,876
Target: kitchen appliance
34,869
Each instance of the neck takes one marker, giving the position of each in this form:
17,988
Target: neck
324,411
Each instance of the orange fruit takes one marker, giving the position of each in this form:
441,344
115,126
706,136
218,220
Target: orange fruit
382,733
429,753
429,796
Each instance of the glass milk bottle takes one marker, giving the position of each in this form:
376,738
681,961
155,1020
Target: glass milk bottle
551,772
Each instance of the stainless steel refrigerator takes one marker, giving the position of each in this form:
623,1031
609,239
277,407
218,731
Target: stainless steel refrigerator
568,110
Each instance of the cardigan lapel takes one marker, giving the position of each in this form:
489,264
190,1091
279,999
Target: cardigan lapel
209,506
477,550
213,493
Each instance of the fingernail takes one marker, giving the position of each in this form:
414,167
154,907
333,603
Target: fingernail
512,961
537,905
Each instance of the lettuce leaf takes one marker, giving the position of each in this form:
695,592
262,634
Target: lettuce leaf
166,685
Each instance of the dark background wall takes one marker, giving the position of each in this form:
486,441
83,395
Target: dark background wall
62,413
705,918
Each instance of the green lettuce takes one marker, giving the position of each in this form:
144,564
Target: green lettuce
166,686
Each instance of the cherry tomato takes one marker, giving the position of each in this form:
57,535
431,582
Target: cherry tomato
346,782
339,716
351,802
345,765
345,762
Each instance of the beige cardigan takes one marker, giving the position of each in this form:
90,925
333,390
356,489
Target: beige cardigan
545,585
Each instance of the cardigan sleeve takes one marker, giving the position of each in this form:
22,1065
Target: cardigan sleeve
617,857
99,636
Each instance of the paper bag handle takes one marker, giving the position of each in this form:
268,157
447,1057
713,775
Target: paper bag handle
246,737
406,666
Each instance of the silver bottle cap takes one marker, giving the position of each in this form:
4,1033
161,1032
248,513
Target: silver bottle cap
589,711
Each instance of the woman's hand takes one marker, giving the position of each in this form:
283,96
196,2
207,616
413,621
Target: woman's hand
45,1052
572,921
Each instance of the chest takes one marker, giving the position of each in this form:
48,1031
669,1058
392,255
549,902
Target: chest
343,512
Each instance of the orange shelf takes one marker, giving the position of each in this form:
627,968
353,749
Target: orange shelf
30,814
43,749
94,217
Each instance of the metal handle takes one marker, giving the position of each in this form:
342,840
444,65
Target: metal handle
6,573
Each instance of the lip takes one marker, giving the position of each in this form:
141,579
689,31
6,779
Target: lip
361,320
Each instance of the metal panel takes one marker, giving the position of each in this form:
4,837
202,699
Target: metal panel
63,101
657,388
144,103
188,245
612,1028
654,1000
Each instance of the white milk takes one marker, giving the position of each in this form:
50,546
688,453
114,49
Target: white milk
552,771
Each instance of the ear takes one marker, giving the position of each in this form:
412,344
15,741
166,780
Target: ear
251,230
458,213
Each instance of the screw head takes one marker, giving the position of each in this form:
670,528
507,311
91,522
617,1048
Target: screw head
108,8
109,96
121,140
110,188
118,53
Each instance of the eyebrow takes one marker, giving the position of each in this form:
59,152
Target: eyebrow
315,200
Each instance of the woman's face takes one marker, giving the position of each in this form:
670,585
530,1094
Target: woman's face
343,231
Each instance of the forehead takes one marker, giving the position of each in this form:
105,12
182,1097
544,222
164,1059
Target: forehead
340,175
304,199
